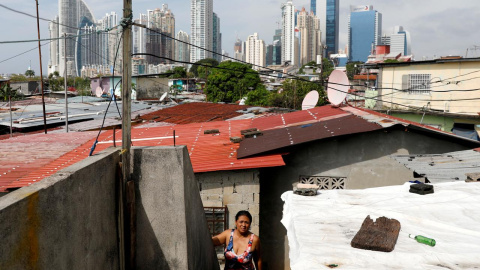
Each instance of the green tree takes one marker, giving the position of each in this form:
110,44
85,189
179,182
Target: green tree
231,81
294,91
327,67
353,68
18,78
309,64
6,90
259,96
391,61
207,61
178,72
30,73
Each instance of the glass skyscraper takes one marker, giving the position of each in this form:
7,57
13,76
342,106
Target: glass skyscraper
332,20
364,32
313,6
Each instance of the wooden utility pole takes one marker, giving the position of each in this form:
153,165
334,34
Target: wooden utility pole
127,187
41,73
65,82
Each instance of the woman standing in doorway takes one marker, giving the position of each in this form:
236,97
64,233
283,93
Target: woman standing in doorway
243,247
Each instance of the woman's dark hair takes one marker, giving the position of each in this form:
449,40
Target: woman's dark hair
243,213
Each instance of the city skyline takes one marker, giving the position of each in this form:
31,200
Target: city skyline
436,27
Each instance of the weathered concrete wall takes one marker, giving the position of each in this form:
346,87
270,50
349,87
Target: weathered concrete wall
172,231
363,159
66,221
237,190
148,88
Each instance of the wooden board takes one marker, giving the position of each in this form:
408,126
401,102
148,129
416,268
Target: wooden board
380,235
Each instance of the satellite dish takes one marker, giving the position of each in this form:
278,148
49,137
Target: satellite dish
338,85
163,96
310,100
98,91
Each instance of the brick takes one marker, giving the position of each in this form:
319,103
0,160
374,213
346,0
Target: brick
212,188
209,203
228,188
215,197
255,230
254,209
234,198
256,198
256,220
248,188
248,198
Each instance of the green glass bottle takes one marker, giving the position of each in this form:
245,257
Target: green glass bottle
423,240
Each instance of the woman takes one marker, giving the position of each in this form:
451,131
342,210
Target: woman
243,247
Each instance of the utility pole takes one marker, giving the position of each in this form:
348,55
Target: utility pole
65,82
127,203
10,105
41,73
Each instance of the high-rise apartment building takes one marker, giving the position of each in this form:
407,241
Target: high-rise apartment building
54,61
308,26
201,29
255,51
182,49
139,35
313,6
71,14
288,33
159,42
237,47
364,32
217,38
329,14
399,41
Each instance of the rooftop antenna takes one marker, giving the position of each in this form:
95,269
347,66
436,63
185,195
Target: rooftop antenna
310,100
338,85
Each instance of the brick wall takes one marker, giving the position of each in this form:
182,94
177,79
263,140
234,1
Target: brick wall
238,190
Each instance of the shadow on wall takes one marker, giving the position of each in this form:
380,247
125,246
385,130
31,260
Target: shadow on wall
362,158
172,230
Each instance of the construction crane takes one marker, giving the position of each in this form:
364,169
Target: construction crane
474,48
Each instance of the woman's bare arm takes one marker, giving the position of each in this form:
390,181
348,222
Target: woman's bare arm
219,239
258,255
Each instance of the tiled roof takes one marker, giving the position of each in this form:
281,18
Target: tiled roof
195,112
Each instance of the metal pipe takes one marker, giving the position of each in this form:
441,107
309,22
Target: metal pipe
65,81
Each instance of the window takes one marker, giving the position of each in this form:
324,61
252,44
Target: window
416,83
216,221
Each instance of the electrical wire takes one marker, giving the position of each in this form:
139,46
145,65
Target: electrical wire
36,48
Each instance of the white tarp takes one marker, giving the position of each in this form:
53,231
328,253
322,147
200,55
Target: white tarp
320,228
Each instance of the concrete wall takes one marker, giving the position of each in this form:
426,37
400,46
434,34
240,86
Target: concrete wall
455,75
363,159
172,232
237,190
148,88
66,221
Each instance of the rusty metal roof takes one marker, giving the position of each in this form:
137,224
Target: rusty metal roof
325,122
195,112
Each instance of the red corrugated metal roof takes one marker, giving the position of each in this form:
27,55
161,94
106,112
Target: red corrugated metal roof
195,112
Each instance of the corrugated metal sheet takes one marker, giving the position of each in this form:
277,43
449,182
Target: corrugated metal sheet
442,167
195,113
294,135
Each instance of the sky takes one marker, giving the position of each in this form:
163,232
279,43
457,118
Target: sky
437,27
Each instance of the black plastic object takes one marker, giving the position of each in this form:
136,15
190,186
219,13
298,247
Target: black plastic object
421,189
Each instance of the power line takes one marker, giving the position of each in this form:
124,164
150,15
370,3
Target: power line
36,48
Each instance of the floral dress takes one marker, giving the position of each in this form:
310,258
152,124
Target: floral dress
243,261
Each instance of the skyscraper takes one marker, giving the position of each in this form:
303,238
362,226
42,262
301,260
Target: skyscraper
288,33
310,39
201,29
182,50
71,14
159,41
399,41
313,6
216,38
364,32
255,51
329,24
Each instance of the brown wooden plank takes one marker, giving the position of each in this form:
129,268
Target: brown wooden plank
380,235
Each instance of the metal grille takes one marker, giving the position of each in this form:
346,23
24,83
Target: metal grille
419,83
324,182
217,222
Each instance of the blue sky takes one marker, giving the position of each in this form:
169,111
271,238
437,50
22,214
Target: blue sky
437,27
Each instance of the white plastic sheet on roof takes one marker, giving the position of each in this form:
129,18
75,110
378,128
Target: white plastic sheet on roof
320,228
